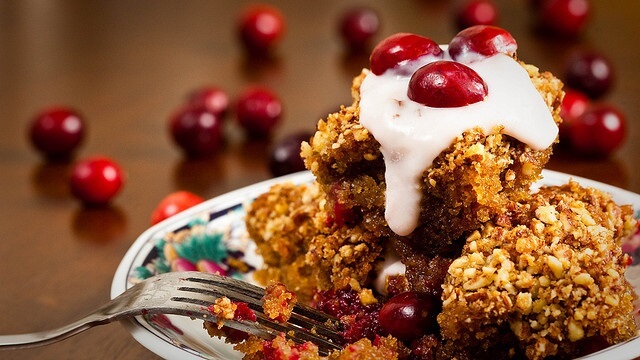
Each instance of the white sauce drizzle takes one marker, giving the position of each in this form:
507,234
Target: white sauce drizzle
412,135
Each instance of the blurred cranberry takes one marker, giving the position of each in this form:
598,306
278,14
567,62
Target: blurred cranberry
358,26
598,131
260,27
258,111
410,315
573,105
285,156
566,18
196,130
211,97
57,132
477,12
96,180
590,72
174,203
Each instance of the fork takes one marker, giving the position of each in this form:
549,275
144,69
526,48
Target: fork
190,294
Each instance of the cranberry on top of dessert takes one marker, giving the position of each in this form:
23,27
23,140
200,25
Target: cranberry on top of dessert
446,84
399,49
477,42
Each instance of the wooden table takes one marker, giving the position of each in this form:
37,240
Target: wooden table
126,65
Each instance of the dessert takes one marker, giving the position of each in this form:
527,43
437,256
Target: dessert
424,205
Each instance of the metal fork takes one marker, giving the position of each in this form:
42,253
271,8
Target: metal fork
190,294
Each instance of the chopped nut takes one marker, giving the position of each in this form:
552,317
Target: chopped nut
555,265
547,214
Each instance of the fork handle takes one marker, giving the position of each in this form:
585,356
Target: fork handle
21,341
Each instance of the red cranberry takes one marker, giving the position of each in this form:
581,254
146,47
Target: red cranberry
358,26
410,315
212,98
285,157
57,132
173,204
260,27
445,84
477,12
573,105
398,49
598,131
589,72
96,180
258,110
566,18
196,130
482,40
340,213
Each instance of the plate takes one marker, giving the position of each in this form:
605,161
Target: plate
215,230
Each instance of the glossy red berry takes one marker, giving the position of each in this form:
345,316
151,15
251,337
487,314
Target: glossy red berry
590,72
573,105
174,203
477,12
398,49
481,41
409,315
196,130
212,98
285,156
598,131
446,84
96,180
566,18
258,110
260,28
358,26
57,132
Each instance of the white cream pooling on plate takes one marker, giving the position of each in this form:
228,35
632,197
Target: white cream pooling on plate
412,135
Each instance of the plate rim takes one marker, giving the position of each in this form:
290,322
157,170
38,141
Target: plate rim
168,350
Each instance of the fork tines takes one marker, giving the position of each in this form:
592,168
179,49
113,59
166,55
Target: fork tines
305,323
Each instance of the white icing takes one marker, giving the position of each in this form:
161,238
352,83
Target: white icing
412,135
390,266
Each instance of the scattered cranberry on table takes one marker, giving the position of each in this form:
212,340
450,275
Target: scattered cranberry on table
410,315
477,12
566,18
260,28
213,98
399,49
285,156
96,180
598,132
574,104
57,132
174,203
483,40
446,84
258,111
590,72
197,131
358,26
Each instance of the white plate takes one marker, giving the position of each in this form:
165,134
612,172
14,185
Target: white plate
223,216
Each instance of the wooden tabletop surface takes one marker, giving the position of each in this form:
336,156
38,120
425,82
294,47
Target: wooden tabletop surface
127,65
